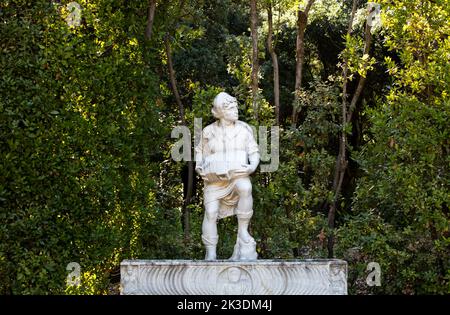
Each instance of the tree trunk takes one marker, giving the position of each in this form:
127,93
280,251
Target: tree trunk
187,199
255,64
341,161
302,20
150,19
276,74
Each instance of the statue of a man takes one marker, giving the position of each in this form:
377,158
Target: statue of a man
225,157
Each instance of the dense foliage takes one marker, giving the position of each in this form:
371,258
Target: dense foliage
86,113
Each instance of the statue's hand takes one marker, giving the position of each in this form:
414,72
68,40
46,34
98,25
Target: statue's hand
199,171
246,169
250,167
210,178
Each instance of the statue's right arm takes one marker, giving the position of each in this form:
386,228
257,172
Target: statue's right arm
199,155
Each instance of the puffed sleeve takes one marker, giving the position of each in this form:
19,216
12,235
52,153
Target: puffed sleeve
202,149
252,146
199,148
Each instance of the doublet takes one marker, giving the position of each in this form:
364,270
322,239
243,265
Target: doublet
220,151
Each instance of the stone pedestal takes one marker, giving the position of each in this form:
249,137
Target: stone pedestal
224,277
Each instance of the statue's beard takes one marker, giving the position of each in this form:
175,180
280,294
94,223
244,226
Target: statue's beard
231,118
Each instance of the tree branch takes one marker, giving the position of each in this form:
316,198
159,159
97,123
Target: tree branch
341,160
190,180
150,19
255,64
362,79
273,55
302,20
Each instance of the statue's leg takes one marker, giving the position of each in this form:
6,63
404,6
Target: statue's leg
244,207
245,248
209,229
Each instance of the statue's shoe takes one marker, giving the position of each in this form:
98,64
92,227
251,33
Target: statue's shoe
247,250
210,252
244,250
235,255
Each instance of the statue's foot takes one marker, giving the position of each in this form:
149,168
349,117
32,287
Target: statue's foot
210,253
244,236
244,250
247,250
235,255
210,257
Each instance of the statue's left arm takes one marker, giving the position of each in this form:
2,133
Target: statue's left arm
253,152
254,161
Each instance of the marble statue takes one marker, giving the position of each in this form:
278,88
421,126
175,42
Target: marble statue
225,157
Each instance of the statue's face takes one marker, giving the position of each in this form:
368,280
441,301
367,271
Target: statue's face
234,274
230,109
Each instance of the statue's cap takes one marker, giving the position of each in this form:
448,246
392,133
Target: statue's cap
221,98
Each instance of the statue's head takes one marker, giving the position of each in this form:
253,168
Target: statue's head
234,274
225,107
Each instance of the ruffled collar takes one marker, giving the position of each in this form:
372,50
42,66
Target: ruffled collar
218,131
